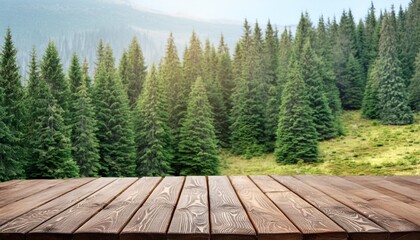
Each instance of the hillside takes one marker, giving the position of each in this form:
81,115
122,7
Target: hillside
367,149
77,25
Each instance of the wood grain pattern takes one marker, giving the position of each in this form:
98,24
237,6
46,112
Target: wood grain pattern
356,225
22,189
11,182
404,182
18,227
13,210
383,201
397,191
64,224
309,220
191,216
268,220
227,215
108,223
151,221
398,227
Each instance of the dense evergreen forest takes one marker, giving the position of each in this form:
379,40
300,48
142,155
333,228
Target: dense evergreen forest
279,92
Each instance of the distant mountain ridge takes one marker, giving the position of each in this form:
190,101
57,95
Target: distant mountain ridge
77,26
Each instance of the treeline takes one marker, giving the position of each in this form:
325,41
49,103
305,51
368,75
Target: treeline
278,93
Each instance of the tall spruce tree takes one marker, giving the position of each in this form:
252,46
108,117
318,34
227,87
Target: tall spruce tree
83,123
224,73
136,72
13,107
153,135
85,74
215,94
392,90
370,106
99,56
50,146
351,84
297,138
197,144
318,102
411,38
115,133
414,89
192,65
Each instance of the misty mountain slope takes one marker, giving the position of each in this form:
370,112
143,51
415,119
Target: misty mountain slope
77,26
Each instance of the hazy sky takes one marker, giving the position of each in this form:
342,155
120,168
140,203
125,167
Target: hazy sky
282,12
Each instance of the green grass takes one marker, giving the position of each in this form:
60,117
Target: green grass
368,148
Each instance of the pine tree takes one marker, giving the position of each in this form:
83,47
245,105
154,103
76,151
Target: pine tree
50,148
371,38
270,65
192,65
85,75
12,103
115,134
176,90
411,38
296,134
83,123
414,89
224,73
153,135
351,84
99,56
285,49
10,166
52,73
370,106
214,94
392,90
136,72
321,112
198,140
123,68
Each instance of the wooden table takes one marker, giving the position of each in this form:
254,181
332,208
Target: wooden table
216,207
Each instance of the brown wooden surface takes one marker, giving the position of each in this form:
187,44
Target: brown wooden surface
215,207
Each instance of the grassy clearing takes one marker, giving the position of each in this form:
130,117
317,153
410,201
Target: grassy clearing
368,148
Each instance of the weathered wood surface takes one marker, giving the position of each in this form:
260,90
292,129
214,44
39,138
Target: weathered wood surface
215,207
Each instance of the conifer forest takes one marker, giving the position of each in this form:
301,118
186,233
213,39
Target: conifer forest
280,92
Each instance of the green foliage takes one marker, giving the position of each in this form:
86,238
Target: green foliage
84,143
370,106
297,138
135,72
85,74
224,73
50,148
197,138
12,112
153,135
352,87
321,112
392,90
414,88
115,134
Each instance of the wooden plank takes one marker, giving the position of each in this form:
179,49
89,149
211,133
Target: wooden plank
11,182
268,220
227,215
64,224
151,221
108,223
310,221
404,194
356,225
414,179
404,182
18,227
191,216
383,201
13,210
398,227
20,190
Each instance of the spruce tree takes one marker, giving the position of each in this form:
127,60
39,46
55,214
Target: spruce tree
321,112
214,94
296,134
85,75
153,135
351,84
52,73
285,49
50,146
99,56
115,134
414,89
392,92
192,65
370,106
123,68
224,73
198,140
83,123
136,72
10,165
13,106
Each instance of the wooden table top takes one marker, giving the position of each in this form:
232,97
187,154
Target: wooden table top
216,207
